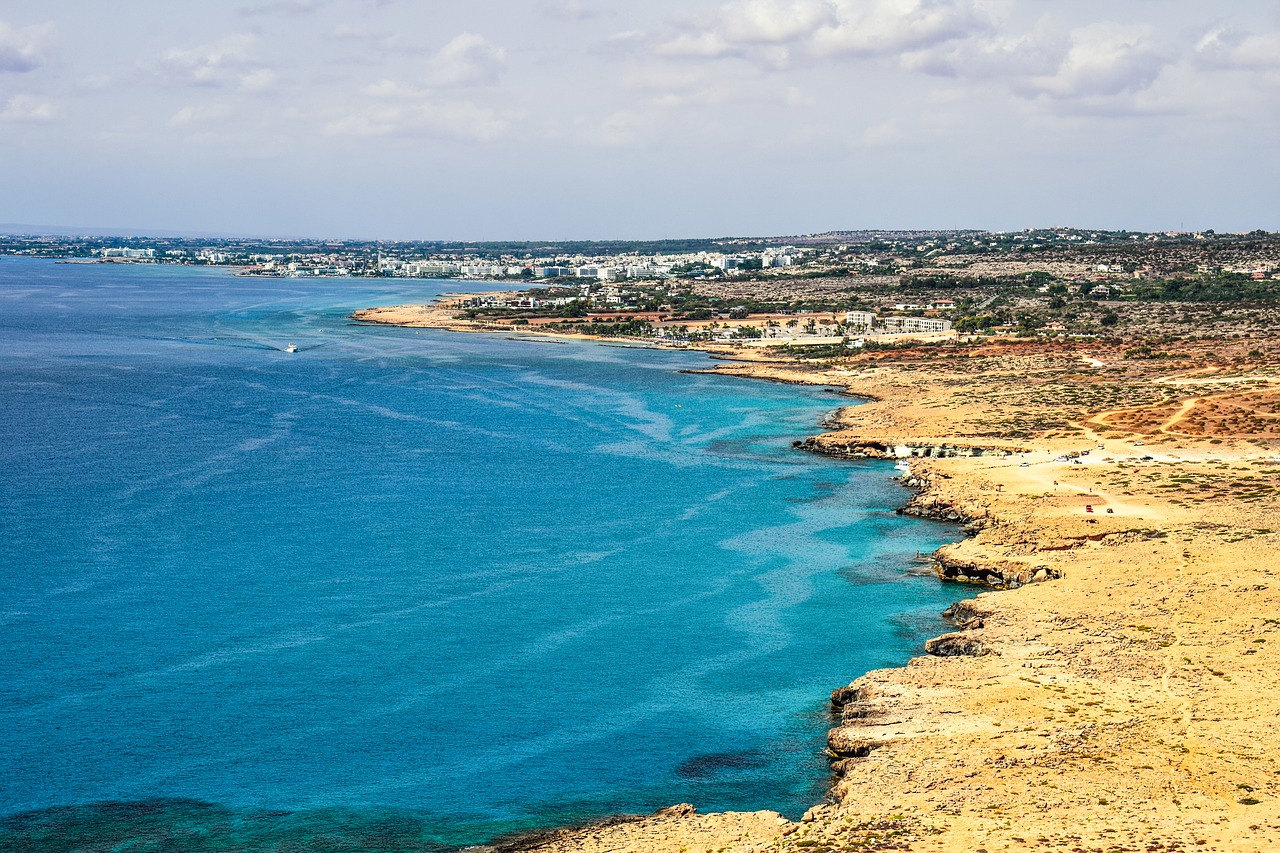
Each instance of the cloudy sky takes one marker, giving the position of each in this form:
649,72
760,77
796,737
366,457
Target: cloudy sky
553,119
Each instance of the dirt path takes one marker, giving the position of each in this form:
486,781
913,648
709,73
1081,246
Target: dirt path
1180,415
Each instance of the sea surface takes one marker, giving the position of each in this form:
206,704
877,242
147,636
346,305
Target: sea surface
406,590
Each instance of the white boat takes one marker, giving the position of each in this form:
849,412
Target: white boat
291,348
903,466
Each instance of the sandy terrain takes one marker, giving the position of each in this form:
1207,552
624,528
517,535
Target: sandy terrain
1133,704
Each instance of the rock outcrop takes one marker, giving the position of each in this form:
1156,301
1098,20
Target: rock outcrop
997,574
847,743
842,696
957,645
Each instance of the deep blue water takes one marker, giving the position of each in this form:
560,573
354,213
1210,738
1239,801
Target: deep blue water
419,587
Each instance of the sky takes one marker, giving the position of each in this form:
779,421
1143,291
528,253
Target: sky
601,119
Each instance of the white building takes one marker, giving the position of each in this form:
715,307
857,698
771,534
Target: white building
481,270
915,325
597,272
131,254
860,319
426,269
726,263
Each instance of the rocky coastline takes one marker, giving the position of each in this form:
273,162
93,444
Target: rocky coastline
1131,704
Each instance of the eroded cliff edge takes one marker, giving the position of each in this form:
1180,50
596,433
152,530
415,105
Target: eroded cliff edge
1118,690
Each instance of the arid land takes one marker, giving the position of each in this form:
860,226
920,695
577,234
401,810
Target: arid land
1118,688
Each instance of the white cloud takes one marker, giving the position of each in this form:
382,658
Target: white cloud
25,109
1011,57
762,29
375,44
885,135
258,81
1234,50
620,129
1103,60
468,60
284,7
192,115
20,48
966,40
94,82
394,90
1259,51
681,86
891,27
226,62
448,119
573,10
773,31
777,21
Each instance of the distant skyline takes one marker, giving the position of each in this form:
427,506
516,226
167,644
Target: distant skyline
574,119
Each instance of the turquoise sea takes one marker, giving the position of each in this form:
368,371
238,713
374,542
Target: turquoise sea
408,590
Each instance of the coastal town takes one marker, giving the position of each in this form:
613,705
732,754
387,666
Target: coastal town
1106,258
841,288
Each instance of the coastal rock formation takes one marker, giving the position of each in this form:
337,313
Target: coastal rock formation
678,810
969,613
847,743
887,449
994,574
860,711
670,830
854,703
957,645
842,696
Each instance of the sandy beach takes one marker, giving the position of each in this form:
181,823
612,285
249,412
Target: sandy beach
1116,689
